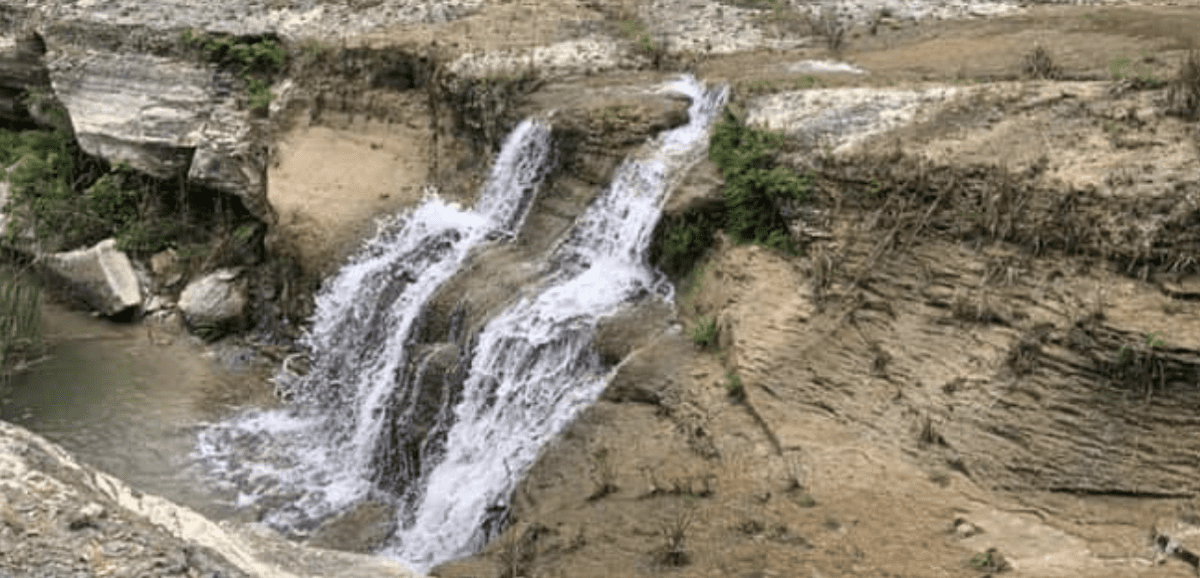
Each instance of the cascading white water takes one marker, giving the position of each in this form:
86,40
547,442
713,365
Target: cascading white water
321,447
532,367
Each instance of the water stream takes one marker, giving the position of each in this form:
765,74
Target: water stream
129,400
530,369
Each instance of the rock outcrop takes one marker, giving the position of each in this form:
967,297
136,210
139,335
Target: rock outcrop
101,277
216,303
136,92
61,519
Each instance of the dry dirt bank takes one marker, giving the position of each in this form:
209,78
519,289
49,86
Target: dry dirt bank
991,342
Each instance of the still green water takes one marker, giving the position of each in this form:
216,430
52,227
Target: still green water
128,400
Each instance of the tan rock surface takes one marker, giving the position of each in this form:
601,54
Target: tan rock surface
328,184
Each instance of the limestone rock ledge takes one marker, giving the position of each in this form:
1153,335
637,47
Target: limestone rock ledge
60,518
135,94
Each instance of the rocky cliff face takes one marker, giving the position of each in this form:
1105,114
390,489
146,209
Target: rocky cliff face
136,92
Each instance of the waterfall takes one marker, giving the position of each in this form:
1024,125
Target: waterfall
531,368
534,367
321,447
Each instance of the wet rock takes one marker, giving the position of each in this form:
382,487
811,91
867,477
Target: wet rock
57,499
621,333
363,528
100,276
215,304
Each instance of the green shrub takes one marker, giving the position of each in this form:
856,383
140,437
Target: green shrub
733,386
258,94
42,199
45,197
67,200
255,59
704,332
754,187
754,190
683,238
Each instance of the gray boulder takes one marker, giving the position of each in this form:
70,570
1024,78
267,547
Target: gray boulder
100,277
216,303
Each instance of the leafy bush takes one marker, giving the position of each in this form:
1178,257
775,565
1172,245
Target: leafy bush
66,200
42,199
755,188
52,199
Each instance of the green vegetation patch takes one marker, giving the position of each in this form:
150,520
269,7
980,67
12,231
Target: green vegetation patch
64,205
755,189
63,199
256,59
754,184
685,237
704,332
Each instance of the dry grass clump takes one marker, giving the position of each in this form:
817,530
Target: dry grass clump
829,24
1183,93
1039,64
674,530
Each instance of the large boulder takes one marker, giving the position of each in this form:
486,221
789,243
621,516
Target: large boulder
216,303
101,277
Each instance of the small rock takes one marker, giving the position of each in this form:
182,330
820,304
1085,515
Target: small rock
86,516
965,529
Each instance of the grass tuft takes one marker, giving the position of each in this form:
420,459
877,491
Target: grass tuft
20,320
704,332
1039,64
